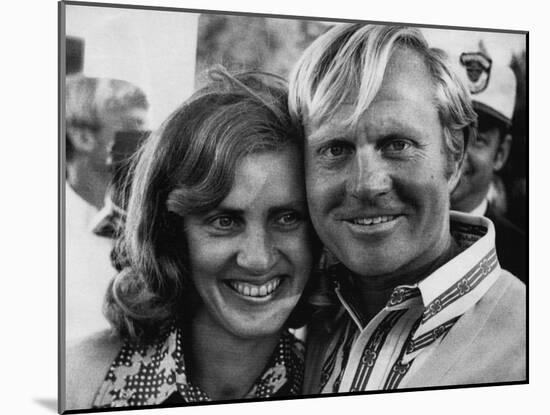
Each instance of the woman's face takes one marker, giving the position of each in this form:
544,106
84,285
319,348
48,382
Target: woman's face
250,257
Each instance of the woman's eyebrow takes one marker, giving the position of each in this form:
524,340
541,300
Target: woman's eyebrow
298,204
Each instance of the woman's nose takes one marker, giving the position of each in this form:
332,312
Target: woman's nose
257,253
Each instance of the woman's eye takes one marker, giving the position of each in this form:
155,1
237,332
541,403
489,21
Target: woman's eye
288,219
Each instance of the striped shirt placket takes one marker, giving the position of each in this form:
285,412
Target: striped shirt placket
372,350
403,304
335,364
387,328
400,368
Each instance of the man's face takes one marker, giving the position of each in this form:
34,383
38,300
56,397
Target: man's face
379,194
486,154
111,123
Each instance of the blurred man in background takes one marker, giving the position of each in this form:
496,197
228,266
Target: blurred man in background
480,190
96,109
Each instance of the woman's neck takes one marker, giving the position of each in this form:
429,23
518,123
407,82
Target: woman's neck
227,367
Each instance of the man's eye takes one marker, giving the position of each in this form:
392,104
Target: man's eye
397,145
335,150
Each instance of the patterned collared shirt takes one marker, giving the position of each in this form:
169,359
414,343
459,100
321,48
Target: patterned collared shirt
383,353
156,374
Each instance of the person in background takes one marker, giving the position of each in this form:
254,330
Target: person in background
96,109
480,190
414,293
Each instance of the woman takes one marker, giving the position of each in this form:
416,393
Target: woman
216,250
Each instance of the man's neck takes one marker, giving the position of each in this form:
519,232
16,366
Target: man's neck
374,292
228,367
89,184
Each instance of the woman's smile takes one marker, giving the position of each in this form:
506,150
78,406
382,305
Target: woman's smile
254,290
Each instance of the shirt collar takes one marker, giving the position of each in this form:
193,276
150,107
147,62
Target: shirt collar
164,363
475,236
459,284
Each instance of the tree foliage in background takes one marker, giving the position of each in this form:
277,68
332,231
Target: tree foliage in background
253,43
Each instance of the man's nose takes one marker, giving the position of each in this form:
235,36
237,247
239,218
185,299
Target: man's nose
257,253
369,176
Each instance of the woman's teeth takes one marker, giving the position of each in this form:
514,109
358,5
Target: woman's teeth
373,221
251,290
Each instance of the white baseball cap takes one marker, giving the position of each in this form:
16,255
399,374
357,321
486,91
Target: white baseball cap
480,60
492,85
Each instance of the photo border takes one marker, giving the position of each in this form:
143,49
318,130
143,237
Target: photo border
61,199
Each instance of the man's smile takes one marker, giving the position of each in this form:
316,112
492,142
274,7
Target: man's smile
372,220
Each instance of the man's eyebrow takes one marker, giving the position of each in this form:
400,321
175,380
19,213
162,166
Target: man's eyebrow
325,131
399,127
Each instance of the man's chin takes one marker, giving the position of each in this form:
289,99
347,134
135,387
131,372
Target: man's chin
369,266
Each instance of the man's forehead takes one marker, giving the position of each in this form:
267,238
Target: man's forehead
336,120
407,84
401,117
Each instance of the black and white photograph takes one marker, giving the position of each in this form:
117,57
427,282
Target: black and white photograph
263,207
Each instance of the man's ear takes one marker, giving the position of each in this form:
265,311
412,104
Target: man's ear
82,139
456,172
456,163
503,151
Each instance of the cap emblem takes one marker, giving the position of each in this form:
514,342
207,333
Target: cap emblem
478,69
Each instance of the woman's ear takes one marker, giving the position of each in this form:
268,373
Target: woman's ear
82,139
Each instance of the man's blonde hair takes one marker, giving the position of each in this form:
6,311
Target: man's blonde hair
347,64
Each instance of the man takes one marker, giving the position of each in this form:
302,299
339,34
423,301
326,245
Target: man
493,91
419,298
96,109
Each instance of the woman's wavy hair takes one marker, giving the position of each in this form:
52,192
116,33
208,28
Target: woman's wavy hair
187,167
